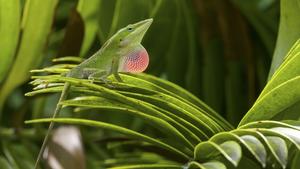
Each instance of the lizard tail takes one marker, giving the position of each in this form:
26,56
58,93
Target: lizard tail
56,112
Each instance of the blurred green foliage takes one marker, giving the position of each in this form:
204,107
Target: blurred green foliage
220,51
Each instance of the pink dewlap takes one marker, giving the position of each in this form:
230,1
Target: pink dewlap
136,61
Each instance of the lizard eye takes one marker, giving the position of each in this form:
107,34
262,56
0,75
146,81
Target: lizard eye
130,29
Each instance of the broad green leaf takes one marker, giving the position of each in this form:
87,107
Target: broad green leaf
36,23
257,148
293,52
292,133
285,72
275,102
115,128
271,132
279,149
10,14
288,70
89,10
231,150
275,144
288,31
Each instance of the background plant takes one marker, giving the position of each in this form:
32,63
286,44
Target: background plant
219,51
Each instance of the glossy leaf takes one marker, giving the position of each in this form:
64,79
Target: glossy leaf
279,149
251,143
275,102
229,149
288,32
37,16
288,70
257,147
292,133
10,14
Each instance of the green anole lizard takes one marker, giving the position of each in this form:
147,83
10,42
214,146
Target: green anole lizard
123,52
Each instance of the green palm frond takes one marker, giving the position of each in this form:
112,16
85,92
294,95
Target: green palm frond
218,50
190,134
281,95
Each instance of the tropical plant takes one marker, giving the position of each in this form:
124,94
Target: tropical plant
185,133
156,119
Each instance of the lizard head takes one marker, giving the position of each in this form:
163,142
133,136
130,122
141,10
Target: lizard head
133,34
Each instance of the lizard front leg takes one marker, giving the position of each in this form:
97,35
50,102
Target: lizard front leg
117,76
114,69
